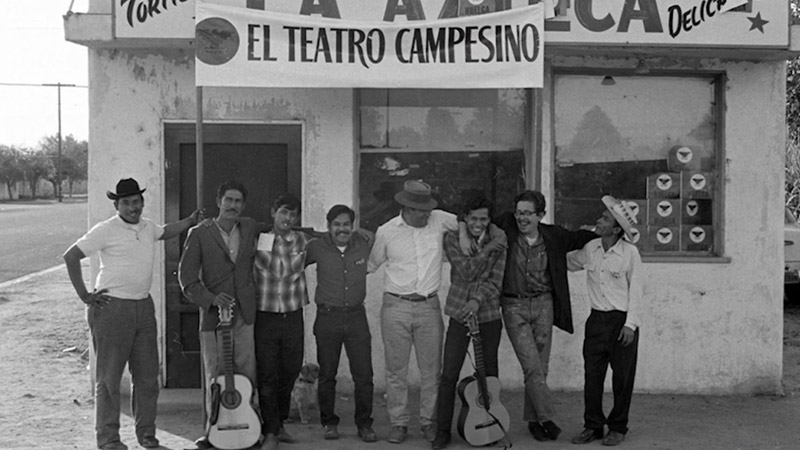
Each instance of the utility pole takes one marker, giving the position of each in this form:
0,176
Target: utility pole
58,165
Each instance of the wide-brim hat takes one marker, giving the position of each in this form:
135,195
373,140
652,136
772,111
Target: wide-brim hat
622,214
125,188
416,194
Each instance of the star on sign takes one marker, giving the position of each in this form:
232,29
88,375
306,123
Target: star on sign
757,23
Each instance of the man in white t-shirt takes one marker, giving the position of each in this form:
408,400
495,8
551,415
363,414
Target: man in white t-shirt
121,313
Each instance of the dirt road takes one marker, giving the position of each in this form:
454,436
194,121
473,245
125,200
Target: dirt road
47,404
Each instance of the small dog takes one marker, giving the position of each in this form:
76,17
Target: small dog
304,392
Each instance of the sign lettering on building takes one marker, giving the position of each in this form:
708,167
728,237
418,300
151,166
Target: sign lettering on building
686,23
245,47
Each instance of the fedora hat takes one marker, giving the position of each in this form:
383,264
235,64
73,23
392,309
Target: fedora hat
125,187
416,194
622,214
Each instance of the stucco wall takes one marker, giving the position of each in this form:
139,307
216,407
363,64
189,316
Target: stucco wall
708,327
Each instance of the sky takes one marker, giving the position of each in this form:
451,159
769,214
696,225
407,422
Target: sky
35,53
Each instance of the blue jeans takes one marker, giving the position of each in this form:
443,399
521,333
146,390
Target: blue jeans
455,350
529,324
279,357
124,331
405,324
333,329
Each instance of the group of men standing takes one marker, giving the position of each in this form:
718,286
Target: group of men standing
514,272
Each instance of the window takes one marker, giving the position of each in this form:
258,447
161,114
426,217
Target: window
453,139
650,140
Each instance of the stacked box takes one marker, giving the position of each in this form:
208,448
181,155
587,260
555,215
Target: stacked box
698,238
682,158
664,212
696,211
697,185
663,239
664,185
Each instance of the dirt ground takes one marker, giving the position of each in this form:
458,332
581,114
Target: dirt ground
47,403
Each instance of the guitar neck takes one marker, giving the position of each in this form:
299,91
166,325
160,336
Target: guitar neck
227,355
477,348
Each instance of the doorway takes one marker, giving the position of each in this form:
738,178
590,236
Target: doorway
266,158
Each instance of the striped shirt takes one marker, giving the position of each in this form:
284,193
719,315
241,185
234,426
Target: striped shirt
280,277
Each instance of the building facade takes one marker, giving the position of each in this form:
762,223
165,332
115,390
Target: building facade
675,105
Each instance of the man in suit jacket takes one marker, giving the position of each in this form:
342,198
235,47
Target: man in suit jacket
535,297
216,270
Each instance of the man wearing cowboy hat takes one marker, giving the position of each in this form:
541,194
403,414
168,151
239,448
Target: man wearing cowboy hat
410,245
121,313
614,281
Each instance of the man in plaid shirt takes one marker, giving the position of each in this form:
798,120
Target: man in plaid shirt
475,289
281,294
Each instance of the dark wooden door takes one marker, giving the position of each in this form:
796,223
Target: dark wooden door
266,158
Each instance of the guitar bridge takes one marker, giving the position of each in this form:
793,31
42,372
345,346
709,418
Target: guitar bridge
234,426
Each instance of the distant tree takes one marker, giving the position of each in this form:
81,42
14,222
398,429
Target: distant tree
36,166
10,170
74,160
792,167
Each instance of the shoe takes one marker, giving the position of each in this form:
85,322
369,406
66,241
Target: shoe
270,442
551,430
398,434
149,442
442,440
113,445
202,443
613,438
331,432
587,435
537,431
284,436
429,432
367,434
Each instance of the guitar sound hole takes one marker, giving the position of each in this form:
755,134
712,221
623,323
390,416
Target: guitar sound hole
230,398
479,401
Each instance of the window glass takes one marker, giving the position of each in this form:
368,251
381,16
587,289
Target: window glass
650,140
454,139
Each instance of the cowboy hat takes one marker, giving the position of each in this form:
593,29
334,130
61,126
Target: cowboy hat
622,214
125,188
416,194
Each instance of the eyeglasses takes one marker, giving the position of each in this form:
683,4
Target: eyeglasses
525,214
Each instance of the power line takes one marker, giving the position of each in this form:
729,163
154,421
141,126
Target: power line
42,85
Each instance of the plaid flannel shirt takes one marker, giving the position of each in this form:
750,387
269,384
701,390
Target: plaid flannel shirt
280,274
478,277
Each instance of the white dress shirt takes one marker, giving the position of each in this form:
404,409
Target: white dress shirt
613,277
413,256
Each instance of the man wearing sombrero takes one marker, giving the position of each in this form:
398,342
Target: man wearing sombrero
121,313
614,281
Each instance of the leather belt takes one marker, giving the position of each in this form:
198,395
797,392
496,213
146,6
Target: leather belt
343,309
414,297
510,295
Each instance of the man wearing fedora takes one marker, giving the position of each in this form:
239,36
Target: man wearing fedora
410,247
121,313
614,283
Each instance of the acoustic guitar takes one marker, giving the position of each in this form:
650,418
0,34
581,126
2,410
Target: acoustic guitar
233,423
483,419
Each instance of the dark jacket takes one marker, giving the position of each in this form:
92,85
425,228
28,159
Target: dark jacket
206,269
558,241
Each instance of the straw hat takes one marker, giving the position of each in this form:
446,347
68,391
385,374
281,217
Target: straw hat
622,214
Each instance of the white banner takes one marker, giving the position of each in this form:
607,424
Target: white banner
251,48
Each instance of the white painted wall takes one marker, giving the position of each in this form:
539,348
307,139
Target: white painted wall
709,327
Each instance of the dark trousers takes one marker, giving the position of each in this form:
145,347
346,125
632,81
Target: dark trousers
602,348
455,350
279,356
333,329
